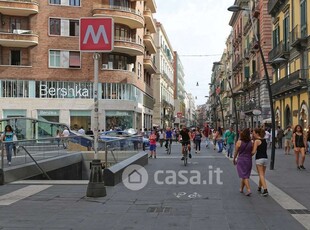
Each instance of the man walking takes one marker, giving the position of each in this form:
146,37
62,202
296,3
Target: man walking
229,138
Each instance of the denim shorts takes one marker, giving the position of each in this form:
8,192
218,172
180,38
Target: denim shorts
262,161
152,147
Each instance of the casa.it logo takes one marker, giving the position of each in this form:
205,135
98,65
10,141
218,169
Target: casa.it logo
135,177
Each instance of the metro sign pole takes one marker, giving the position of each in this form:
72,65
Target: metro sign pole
97,36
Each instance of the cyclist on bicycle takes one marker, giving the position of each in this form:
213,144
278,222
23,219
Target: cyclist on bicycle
168,137
186,141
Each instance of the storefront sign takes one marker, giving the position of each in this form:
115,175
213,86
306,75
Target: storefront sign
75,91
48,113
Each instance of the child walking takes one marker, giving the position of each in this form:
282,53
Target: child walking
152,139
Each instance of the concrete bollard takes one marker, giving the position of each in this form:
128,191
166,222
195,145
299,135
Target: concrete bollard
96,186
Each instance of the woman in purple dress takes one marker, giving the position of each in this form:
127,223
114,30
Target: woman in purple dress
243,151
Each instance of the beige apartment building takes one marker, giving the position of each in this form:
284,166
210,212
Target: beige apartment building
44,75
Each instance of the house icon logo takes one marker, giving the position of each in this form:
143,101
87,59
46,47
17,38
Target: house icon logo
135,177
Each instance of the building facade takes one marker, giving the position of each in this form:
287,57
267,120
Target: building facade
179,91
163,80
44,75
291,60
247,73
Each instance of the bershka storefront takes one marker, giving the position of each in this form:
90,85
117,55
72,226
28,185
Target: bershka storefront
70,103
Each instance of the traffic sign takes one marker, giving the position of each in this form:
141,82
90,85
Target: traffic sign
96,34
179,114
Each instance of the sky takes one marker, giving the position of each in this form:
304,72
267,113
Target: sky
196,27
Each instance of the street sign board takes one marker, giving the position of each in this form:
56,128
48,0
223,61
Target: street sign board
256,112
96,34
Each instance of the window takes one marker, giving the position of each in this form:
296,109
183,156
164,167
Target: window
139,70
286,28
54,26
15,23
124,33
74,3
15,57
14,88
303,18
64,27
276,36
54,58
56,2
64,59
74,59
74,28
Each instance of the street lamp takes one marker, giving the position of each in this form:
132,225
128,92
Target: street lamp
236,8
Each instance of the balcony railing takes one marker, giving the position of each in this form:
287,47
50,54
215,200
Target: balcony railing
298,37
292,82
236,61
282,49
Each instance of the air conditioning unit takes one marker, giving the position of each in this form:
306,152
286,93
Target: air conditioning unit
104,66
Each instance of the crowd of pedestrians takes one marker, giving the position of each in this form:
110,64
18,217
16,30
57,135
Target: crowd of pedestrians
252,143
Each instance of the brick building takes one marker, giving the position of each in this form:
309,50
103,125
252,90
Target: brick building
44,75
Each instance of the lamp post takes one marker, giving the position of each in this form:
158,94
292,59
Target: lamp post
236,8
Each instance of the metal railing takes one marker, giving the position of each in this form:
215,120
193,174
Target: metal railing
290,82
282,48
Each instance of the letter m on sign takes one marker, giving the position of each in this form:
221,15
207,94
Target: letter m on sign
96,34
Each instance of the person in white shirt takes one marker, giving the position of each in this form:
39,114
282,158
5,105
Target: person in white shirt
81,131
65,134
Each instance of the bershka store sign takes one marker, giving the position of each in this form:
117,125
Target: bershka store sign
61,92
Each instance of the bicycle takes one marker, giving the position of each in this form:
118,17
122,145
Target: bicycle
185,154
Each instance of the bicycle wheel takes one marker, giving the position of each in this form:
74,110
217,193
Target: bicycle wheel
185,158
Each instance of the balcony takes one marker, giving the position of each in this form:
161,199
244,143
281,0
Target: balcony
149,64
127,45
254,80
18,38
151,5
149,43
274,6
236,62
121,15
281,50
246,53
149,90
249,107
298,37
291,83
117,76
22,8
149,21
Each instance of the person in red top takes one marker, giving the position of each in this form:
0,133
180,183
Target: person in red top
152,139
206,133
